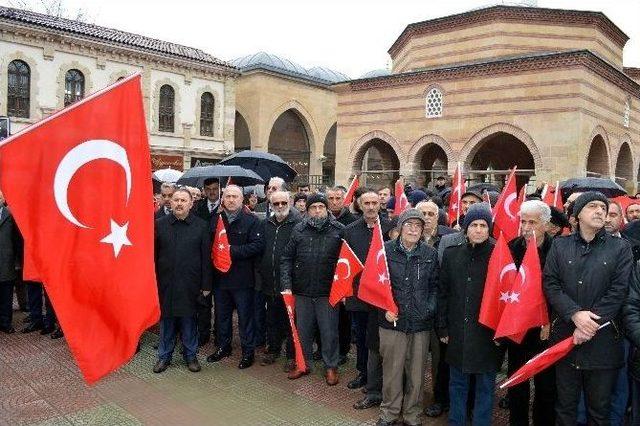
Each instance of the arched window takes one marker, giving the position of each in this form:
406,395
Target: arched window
165,110
627,113
434,103
73,87
206,114
19,89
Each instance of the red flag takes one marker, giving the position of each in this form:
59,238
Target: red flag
221,250
507,210
500,275
375,285
89,231
355,183
402,203
290,303
455,199
540,362
551,196
347,268
526,306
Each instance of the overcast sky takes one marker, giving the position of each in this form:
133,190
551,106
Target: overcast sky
351,36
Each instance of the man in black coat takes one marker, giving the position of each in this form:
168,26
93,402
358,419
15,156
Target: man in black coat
534,218
358,235
206,207
471,350
10,254
586,279
166,191
276,231
236,287
306,270
183,271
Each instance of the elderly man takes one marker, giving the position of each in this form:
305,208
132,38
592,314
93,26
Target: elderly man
335,197
166,192
472,351
235,288
306,270
276,231
404,337
534,218
206,207
586,278
183,269
633,212
274,184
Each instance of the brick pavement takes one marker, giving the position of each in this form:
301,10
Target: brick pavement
41,385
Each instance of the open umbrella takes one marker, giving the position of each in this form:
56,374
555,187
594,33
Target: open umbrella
196,176
606,186
167,175
263,163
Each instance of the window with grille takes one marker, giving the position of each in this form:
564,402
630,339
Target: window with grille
434,103
73,87
18,90
165,110
207,103
627,114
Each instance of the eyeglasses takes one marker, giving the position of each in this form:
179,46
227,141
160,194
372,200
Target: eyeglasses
412,225
280,203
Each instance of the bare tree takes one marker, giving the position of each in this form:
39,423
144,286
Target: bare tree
53,8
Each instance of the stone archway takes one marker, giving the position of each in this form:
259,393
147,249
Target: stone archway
598,158
624,167
242,135
431,156
329,154
289,139
377,163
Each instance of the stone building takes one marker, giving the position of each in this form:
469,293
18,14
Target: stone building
189,96
542,89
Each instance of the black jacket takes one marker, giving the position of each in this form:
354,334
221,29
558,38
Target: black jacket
10,246
593,276
160,213
345,217
463,272
201,209
358,235
309,259
414,282
183,263
246,243
276,236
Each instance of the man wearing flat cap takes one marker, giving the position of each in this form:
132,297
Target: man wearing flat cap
586,279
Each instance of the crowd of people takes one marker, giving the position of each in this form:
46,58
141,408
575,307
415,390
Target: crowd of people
290,243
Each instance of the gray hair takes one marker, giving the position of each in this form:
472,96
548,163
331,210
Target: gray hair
537,207
168,185
285,193
426,203
276,180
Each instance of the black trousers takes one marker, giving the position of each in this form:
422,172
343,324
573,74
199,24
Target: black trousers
545,384
359,320
597,386
35,292
204,320
6,303
441,380
344,330
242,300
278,327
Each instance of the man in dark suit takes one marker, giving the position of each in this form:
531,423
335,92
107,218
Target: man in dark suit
166,190
10,252
206,207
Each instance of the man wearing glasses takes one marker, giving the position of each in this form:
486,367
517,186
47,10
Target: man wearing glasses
275,184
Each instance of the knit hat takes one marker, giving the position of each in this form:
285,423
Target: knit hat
409,214
416,196
478,211
317,198
587,197
473,193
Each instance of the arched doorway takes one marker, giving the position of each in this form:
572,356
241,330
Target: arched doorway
432,163
241,137
378,163
329,154
624,168
598,158
289,140
494,155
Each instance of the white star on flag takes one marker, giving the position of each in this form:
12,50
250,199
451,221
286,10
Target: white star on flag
220,246
118,237
382,278
514,297
504,296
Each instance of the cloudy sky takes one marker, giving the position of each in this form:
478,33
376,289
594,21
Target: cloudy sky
351,36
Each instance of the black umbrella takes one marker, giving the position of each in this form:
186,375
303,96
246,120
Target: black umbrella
196,176
607,187
263,163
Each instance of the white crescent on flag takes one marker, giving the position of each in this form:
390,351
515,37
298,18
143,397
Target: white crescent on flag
507,205
346,262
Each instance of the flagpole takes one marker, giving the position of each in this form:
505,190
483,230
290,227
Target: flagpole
459,200
555,195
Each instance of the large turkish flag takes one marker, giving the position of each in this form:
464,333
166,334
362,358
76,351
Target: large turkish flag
221,250
79,186
500,275
507,210
347,268
375,283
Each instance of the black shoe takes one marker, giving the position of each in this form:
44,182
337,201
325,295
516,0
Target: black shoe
435,410
8,330
34,326
366,402
342,360
161,365
358,382
57,333
246,362
47,330
317,356
218,355
193,365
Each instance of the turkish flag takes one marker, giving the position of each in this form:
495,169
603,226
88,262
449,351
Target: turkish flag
221,250
525,305
355,183
552,197
507,210
89,231
290,303
455,199
402,203
500,275
540,362
347,268
375,284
